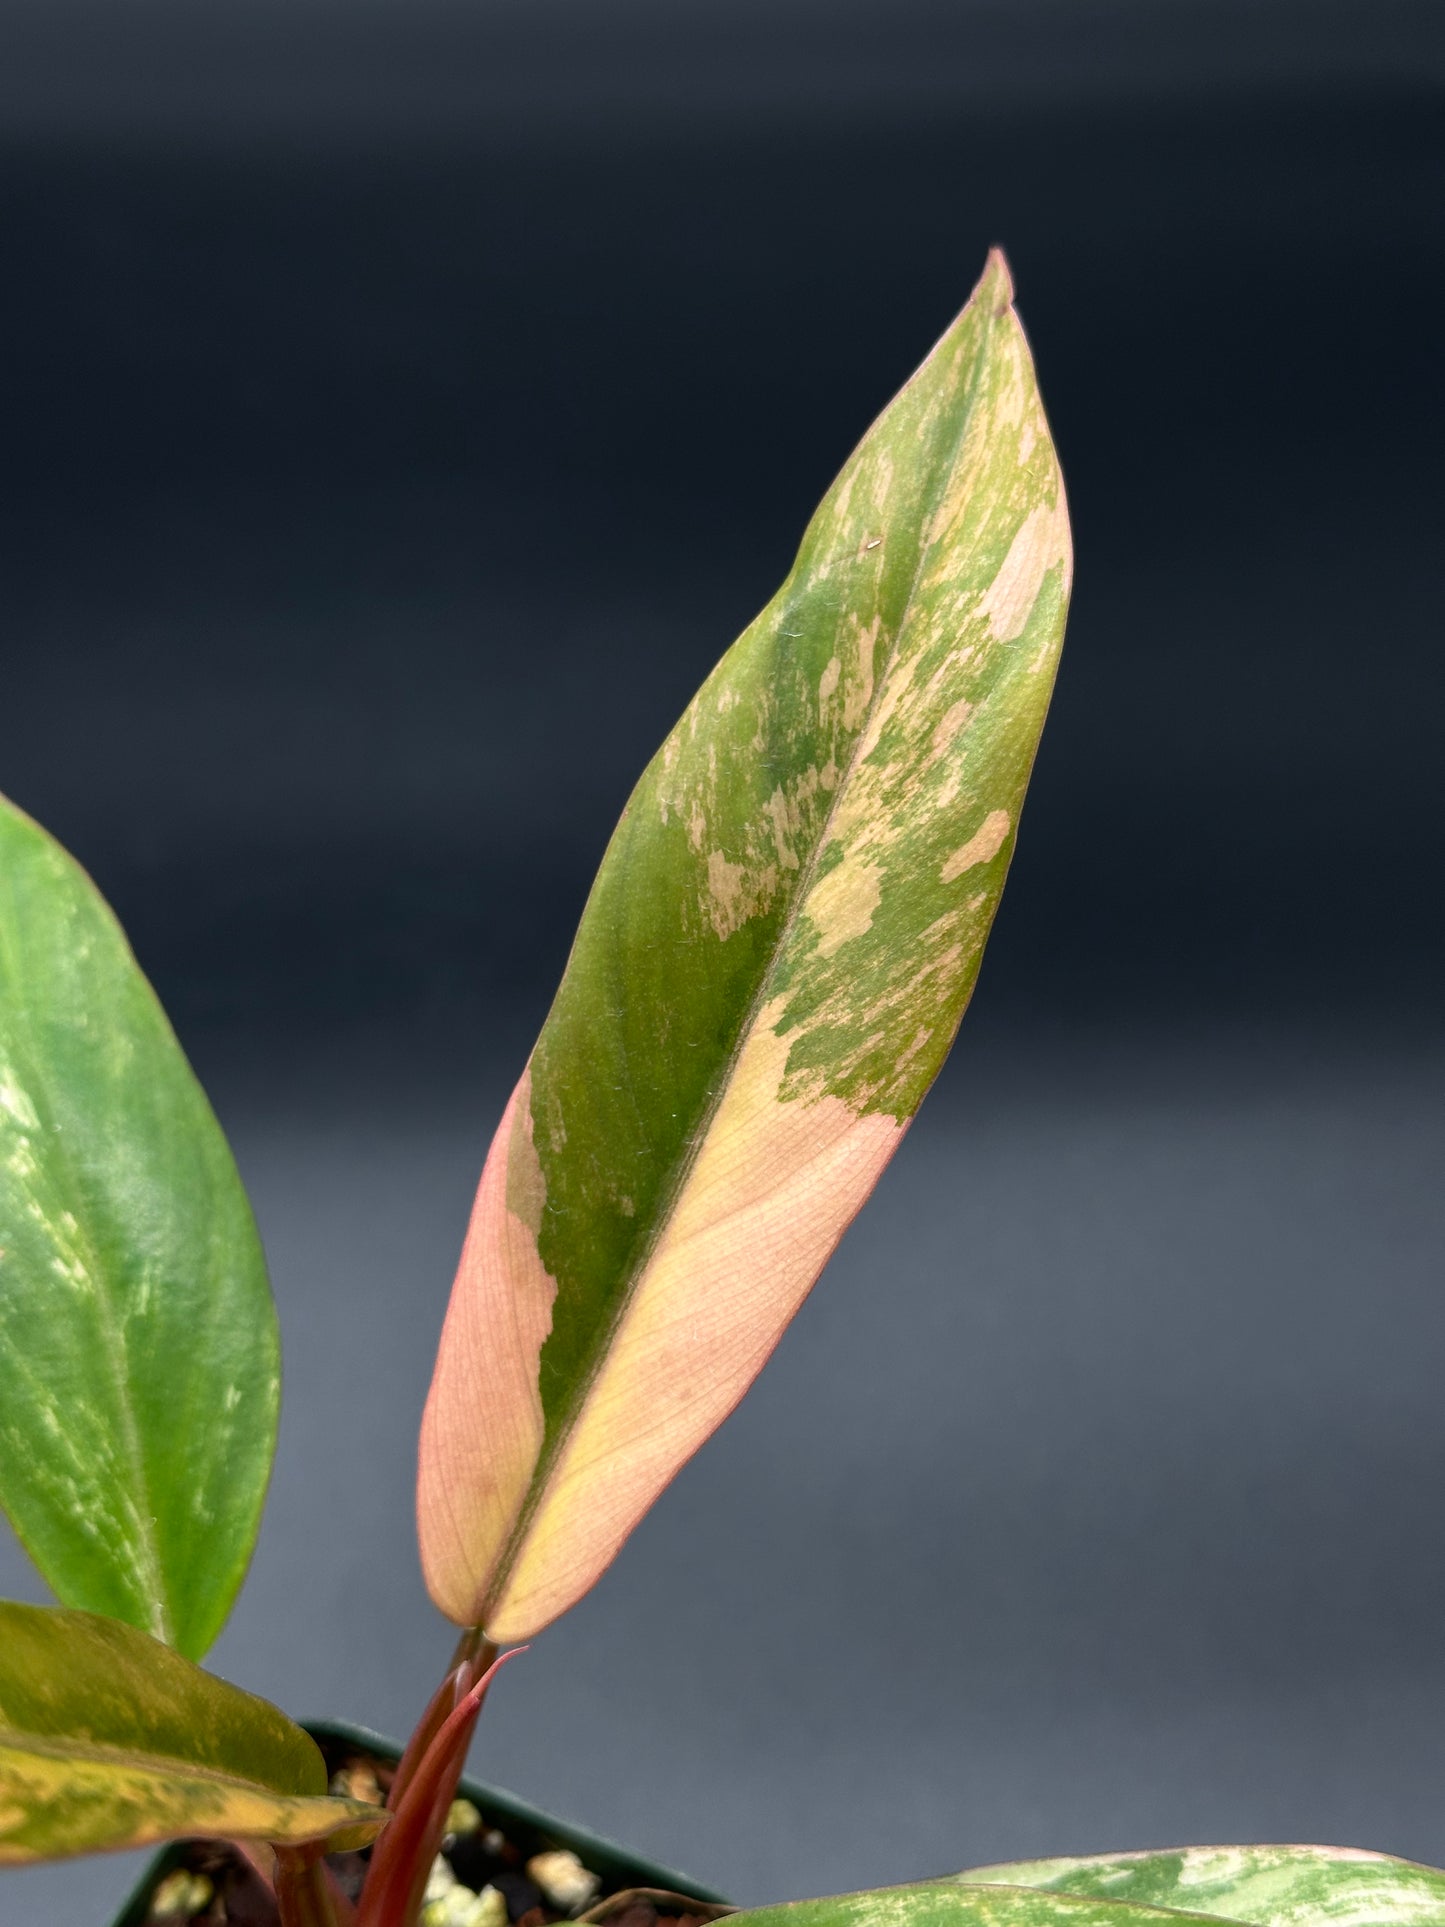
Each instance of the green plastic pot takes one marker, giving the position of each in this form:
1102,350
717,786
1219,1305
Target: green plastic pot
532,1830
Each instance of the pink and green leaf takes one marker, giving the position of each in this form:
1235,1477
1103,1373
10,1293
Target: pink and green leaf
770,970
109,1739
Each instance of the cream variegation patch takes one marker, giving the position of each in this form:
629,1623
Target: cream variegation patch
737,892
1041,544
841,905
982,847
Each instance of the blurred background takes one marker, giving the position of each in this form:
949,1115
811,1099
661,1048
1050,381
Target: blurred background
402,404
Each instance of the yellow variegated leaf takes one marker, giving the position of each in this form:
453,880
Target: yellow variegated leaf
771,967
109,1739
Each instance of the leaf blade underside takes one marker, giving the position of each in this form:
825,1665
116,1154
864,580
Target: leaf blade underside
772,963
139,1357
110,1740
1266,1886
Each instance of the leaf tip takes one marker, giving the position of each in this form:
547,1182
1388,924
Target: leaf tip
995,290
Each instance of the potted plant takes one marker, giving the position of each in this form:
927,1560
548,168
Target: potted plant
770,969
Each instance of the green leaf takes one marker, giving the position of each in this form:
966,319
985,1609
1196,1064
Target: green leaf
1266,1886
949,1903
775,956
108,1739
139,1359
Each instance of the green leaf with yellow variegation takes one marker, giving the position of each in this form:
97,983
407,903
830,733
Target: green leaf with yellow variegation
771,967
139,1358
109,1739
1266,1886
949,1903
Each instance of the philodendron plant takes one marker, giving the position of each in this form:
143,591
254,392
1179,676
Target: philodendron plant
770,969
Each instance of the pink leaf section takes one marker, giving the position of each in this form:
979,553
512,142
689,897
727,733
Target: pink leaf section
482,1429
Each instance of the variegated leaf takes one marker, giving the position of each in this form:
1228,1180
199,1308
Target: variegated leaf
109,1739
948,1903
771,967
1265,1886
139,1360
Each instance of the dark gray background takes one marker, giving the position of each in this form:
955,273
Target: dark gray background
403,405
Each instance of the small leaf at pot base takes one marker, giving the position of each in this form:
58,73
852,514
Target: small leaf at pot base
1267,1886
108,1740
950,1903
139,1359
775,956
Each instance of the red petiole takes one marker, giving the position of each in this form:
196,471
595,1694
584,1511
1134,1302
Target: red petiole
421,1797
